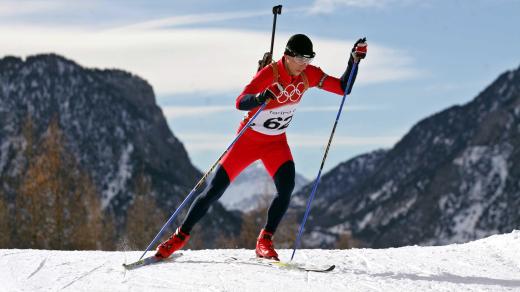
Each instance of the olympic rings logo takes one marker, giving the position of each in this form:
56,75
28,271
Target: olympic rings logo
291,92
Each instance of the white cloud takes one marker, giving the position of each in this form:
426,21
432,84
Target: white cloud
169,22
205,141
182,60
218,142
17,8
349,108
10,8
305,140
175,112
329,6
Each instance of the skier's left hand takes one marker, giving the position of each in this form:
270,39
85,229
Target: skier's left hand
359,51
266,60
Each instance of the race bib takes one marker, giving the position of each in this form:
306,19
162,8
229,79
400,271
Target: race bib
274,121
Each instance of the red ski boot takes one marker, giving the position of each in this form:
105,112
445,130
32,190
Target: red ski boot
173,244
265,247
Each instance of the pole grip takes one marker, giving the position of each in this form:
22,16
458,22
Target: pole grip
277,9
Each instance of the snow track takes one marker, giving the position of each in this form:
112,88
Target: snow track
491,264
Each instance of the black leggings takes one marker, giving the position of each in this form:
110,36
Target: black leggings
283,180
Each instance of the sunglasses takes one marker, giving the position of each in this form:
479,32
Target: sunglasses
299,59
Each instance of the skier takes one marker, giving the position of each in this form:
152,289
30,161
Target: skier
281,85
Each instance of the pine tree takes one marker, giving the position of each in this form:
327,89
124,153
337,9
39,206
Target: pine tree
5,234
143,216
108,234
347,241
57,205
86,215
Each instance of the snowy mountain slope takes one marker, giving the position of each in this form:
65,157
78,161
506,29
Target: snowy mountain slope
111,124
451,179
246,191
109,118
491,264
110,121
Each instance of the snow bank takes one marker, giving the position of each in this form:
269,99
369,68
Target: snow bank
491,264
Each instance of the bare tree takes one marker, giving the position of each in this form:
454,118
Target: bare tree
347,241
5,234
144,218
108,234
86,216
57,204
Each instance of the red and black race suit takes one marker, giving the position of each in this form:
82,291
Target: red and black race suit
266,139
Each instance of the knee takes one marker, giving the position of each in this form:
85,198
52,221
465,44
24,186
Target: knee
284,179
221,179
215,189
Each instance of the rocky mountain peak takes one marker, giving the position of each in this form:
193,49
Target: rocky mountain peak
110,123
452,178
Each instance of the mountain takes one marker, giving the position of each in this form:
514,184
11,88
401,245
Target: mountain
111,124
452,178
489,264
246,192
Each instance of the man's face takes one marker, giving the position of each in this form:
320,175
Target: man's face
297,64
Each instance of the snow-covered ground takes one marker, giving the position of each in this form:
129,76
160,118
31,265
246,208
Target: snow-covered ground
491,264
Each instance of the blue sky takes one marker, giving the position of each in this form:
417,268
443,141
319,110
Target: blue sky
424,56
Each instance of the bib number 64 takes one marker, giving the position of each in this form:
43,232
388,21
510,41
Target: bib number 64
277,123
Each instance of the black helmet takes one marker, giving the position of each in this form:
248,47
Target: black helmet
299,45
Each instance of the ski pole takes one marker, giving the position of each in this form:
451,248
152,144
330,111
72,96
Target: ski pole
276,10
317,181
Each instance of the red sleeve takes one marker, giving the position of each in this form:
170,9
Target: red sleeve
328,83
262,80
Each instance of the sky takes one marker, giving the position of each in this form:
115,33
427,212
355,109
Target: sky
423,57
489,264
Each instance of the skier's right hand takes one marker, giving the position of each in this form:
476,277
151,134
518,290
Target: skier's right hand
264,96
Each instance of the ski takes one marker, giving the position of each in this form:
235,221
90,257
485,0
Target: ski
149,261
287,265
303,267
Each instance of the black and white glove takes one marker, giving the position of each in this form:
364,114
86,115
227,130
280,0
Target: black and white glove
359,51
264,96
266,60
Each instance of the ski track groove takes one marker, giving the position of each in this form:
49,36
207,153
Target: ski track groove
222,280
42,263
179,284
502,260
373,288
156,283
84,275
163,282
12,253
